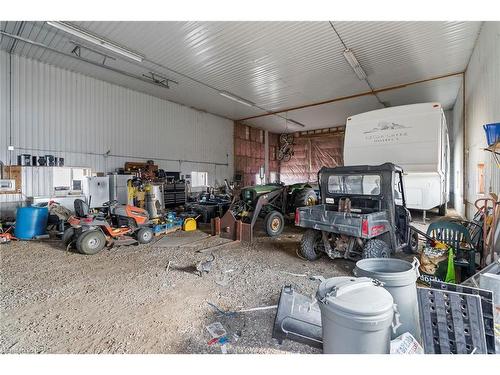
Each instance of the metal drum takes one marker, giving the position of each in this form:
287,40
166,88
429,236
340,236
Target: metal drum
154,200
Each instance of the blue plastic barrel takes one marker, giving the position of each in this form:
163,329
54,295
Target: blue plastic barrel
31,222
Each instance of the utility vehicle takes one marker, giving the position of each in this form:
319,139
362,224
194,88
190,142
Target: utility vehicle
362,214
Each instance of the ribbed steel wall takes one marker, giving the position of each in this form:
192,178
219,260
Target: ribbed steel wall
70,115
482,85
4,104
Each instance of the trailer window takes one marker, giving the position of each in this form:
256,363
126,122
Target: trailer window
368,184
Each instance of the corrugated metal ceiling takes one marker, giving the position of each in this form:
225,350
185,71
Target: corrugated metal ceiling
273,64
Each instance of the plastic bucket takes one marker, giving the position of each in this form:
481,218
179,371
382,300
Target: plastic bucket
492,133
356,316
399,278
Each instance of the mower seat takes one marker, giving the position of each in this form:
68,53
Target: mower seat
81,208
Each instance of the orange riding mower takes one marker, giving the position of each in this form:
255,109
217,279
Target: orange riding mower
115,225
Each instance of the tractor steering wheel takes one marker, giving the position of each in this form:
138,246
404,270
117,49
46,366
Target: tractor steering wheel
109,203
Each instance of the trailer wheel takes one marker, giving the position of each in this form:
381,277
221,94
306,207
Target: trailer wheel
90,242
306,197
274,222
144,235
310,245
376,248
412,247
442,210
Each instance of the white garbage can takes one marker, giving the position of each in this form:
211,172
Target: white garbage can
356,315
399,278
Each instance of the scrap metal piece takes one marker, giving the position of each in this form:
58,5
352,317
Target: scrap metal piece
486,305
451,322
298,319
205,266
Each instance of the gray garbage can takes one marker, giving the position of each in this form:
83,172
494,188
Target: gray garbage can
399,278
356,316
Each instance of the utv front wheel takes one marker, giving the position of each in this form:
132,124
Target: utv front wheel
412,246
310,245
376,248
144,235
91,242
274,223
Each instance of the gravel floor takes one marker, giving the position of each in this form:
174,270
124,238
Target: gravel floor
123,300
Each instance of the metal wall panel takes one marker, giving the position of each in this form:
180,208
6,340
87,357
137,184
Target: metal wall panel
482,85
457,154
4,105
92,123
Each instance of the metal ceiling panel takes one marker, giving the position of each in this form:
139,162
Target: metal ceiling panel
276,65
187,92
333,114
268,63
443,91
274,124
317,117
392,53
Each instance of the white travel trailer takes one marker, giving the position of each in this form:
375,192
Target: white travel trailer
414,137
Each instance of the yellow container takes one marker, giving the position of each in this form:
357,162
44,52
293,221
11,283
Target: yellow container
189,225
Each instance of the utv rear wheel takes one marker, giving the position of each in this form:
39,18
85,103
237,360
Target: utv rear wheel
306,197
412,247
274,223
311,244
91,242
144,235
376,248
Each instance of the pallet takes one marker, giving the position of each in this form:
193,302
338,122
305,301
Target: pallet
486,306
451,322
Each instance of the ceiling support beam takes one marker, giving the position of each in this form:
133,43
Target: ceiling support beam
376,91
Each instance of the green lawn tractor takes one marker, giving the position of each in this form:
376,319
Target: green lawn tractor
272,203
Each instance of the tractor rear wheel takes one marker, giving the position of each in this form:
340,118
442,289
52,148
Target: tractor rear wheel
274,223
306,197
90,242
376,248
311,244
67,236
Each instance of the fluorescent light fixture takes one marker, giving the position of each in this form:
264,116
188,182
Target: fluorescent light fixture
236,98
296,122
354,63
82,34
